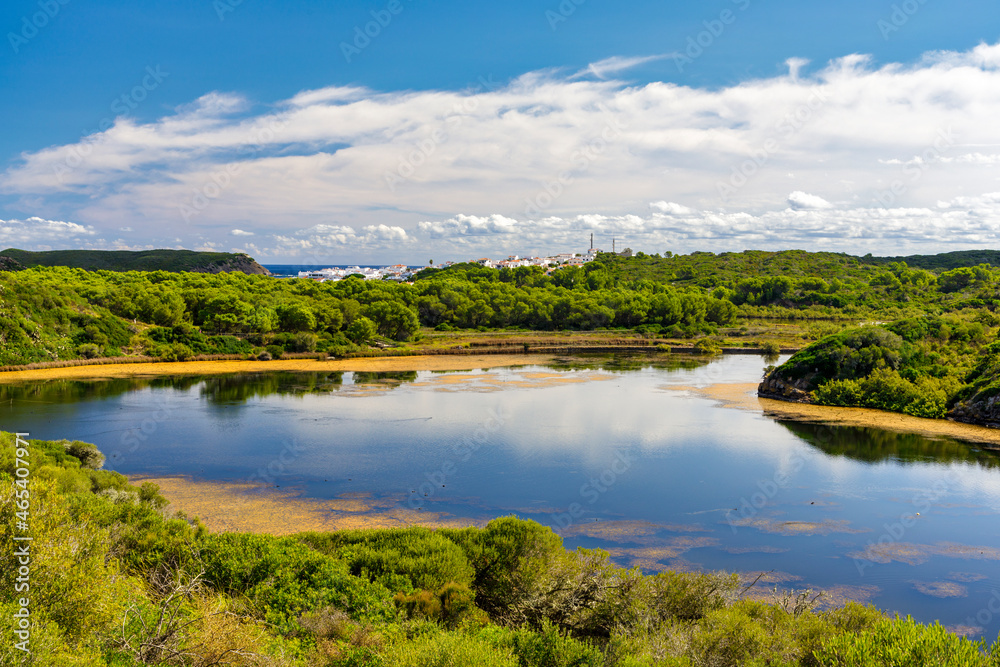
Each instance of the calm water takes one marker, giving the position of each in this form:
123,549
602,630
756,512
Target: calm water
612,452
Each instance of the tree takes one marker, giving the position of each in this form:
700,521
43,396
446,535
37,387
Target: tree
296,317
393,319
361,331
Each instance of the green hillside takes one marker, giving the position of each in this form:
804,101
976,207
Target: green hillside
945,260
143,260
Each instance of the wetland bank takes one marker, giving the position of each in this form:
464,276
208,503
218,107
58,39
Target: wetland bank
665,461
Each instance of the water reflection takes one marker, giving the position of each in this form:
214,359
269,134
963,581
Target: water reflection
872,445
218,389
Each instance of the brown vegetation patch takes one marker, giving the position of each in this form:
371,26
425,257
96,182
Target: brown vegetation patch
941,589
660,557
838,596
772,525
764,549
639,532
966,577
915,554
964,630
245,507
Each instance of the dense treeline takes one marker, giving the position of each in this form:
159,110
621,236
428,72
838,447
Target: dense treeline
117,580
59,313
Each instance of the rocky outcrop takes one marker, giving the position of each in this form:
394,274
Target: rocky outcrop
776,387
9,264
239,262
979,411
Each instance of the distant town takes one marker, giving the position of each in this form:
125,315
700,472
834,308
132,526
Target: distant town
404,273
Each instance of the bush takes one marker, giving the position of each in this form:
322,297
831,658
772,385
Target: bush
304,341
902,643
276,351
844,393
173,352
544,647
286,579
449,650
89,351
402,559
707,346
770,349
88,454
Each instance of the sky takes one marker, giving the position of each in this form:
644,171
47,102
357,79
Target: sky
323,132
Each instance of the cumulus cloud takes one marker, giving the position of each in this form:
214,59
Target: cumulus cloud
671,208
240,232
803,201
468,225
324,239
38,233
546,150
966,222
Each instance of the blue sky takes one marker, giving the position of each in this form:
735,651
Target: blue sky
447,134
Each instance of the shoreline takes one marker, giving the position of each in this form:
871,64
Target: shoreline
428,362
743,396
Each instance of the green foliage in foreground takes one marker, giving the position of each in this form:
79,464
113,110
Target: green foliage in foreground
117,581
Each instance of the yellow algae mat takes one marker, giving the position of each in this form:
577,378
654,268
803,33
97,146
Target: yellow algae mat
256,508
362,364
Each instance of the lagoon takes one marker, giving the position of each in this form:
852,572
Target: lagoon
618,452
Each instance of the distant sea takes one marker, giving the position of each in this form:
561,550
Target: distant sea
292,270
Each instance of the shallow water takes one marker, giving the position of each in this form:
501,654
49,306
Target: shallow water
602,449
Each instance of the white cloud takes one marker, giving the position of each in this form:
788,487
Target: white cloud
802,201
472,166
671,208
322,240
40,234
240,232
602,69
964,222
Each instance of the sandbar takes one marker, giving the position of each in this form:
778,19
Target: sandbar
743,396
438,362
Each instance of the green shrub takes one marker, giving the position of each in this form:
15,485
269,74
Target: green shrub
845,393
708,346
902,643
89,351
449,650
402,559
546,646
286,579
